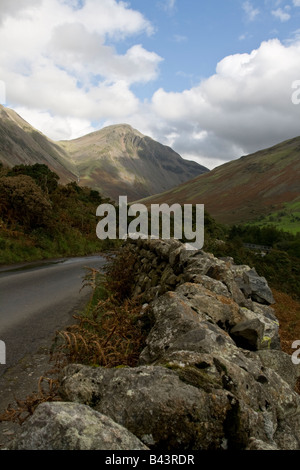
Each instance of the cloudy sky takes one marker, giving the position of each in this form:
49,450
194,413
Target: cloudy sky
212,79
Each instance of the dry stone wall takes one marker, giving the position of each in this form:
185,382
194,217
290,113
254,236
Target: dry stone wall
212,375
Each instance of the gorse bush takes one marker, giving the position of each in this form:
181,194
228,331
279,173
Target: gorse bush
40,218
23,201
46,179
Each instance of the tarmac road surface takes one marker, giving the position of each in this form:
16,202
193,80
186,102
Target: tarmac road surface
37,299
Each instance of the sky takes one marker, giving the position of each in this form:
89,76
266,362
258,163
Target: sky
212,79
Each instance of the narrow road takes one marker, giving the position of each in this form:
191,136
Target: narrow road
38,299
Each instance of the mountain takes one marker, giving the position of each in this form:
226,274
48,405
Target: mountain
251,188
20,143
118,160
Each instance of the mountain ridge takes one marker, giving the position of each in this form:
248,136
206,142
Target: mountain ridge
136,162
20,143
116,160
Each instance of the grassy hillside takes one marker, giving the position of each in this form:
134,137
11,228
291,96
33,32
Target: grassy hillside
287,218
250,189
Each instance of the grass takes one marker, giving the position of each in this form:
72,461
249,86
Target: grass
286,219
19,247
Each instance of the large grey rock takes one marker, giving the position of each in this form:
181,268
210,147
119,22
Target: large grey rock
256,444
257,287
154,404
282,364
73,426
209,305
194,318
248,334
179,324
220,270
258,329
210,284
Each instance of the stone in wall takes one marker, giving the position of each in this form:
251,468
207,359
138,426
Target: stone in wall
72,426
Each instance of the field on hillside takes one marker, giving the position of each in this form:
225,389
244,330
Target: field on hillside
287,218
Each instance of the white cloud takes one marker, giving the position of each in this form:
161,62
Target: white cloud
112,18
296,3
246,105
282,15
55,126
250,10
85,55
180,38
16,7
169,5
59,59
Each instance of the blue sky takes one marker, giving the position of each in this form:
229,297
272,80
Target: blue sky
212,79
193,35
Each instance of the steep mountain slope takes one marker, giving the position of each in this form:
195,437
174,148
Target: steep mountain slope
20,144
119,160
246,189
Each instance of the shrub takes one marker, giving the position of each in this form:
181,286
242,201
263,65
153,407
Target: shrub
23,202
46,179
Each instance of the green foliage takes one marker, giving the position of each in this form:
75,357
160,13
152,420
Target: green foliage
267,236
287,218
40,218
41,174
280,266
23,201
212,229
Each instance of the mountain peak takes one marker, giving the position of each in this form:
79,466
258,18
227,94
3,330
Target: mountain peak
116,160
123,128
120,160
